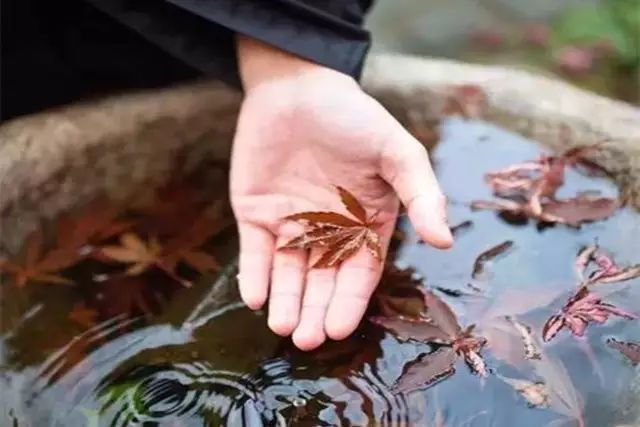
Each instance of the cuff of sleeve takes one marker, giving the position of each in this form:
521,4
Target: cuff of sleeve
292,27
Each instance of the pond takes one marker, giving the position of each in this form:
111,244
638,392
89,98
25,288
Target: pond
174,346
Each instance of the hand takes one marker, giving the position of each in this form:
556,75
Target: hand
302,129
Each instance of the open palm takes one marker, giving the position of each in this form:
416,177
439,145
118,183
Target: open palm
296,140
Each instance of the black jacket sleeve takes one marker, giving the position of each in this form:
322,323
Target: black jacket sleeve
201,32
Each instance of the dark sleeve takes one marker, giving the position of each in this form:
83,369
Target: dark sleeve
201,32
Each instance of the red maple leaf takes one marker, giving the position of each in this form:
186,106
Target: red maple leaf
96,222
338,235
606,269
529,189
580,310
437,324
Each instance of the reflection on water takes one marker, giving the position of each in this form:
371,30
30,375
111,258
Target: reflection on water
205,360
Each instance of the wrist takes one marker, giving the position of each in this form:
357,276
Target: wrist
260,63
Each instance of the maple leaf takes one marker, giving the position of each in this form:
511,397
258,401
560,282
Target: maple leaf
437,324
578,210
133,250
488,255
338,235
529,190
540,178
427,370
581,309
629,349
39,266
572,212
459,228
606,270
96,222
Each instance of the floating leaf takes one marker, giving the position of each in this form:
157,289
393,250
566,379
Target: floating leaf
579,210
630,349
440,314
572,212
427,370
337,235
579,311
411,307
438,324
461,227
606,270
488,255
583,259
529,190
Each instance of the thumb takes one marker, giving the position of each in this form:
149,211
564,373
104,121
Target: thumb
406,166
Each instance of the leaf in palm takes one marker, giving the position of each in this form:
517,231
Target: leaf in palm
337,235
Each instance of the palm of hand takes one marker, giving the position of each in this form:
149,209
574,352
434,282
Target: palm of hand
293,144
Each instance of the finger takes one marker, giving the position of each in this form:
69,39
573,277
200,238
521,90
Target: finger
406,166
256,253
287,281
356,279
317,293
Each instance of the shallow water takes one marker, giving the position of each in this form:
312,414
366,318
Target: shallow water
202,358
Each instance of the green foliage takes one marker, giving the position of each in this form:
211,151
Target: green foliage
616,22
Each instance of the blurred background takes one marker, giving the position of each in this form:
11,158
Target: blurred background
595,44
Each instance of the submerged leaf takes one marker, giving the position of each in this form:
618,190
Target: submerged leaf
426,371
39,265
133,250
629,349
